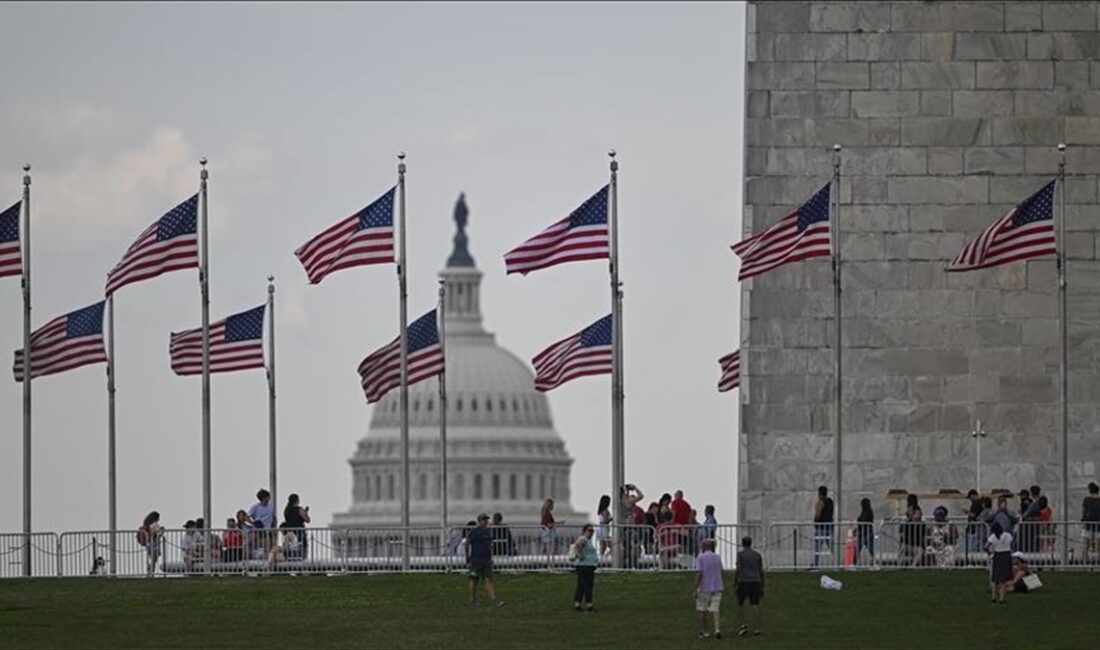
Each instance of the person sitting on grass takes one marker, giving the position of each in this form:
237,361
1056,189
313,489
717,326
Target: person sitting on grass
1020,570
708,588
749,577
585,558
479,556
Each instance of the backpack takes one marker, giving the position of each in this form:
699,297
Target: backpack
142,536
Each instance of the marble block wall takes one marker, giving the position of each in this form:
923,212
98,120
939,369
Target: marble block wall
949,113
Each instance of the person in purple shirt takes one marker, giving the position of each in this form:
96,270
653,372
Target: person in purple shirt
708,587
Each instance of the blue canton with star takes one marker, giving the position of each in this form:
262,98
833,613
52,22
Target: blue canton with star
423,332
85,322
180,220
9,224
598,333
815,210
1037,207
378,214
592,212
245,326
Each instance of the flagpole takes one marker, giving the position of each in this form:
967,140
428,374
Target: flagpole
1063,318
271,458
443,412
112,476
402,291
837,317
618,462
27,370
204,286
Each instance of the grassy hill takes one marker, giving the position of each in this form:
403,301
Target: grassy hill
905,610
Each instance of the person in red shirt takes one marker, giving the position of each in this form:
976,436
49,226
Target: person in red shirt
681,510
234,542
548,525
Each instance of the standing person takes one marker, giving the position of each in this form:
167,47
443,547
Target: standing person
865,530
823,522
549,524
708,588
502,536
151,536
1090,519
629,496
709,529
586,559
913,531
1005,517
1000,545
973,516
296,516
262,513
234,542
750,586
681,510
603,531
479,556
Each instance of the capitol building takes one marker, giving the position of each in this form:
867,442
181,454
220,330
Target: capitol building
503,453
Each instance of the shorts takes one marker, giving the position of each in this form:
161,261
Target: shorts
708,601
480,569
753,591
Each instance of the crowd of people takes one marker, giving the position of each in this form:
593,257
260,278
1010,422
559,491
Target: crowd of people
254,534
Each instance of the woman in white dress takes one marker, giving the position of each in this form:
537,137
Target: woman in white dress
603,530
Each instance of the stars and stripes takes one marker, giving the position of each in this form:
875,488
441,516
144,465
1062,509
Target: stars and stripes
1026,231
66,342
801,235
236,343
585,353
380,372
365,237
731,372
583,235
170,244
11,258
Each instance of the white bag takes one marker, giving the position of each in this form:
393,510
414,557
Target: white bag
830,584
1032,582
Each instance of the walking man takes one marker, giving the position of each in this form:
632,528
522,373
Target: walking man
750,586
708,588
479,556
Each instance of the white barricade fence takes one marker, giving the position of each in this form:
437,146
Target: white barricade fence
929,544
678,546
43,555
534,548
807,545
382,549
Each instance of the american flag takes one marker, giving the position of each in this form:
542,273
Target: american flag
365,237
731,372
800,235
380,372
1026,231
588,352
236,343
170,244
582,235
66,342
11,259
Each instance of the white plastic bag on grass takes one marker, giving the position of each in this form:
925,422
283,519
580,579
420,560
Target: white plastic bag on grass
830,584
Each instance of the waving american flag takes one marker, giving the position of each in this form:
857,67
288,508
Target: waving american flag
11,260
380,372
365,237
583,235
236,343
588,352
800,235
66,342
731,372
1026,231
170,244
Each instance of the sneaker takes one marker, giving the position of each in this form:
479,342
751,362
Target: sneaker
718,634
758,633
742,631
704,635
498,602
577,607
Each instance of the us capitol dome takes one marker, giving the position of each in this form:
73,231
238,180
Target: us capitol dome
503,453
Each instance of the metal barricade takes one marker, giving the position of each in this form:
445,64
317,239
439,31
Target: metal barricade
99,553
678,546
14,555
807,545
382,549
929,544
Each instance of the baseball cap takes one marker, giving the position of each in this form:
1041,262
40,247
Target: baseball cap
482,516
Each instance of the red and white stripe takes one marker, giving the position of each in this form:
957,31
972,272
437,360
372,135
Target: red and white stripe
11,259
147,258
559,244
567,360
185,348
52,352
1002,244
345,245
380,372
731,372
782,244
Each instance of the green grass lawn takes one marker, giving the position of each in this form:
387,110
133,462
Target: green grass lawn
892,609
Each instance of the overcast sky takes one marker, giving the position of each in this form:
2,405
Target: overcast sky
301,110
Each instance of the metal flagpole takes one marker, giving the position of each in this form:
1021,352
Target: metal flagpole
443,412
402,290
204,286
112,494
618,462
27,370
271,458
1063,325
834,222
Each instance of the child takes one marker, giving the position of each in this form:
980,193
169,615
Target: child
708,588
750,586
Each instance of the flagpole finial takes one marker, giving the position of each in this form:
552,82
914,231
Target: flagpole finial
836,148
401,162
203,172
26,174
27,166
614,163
